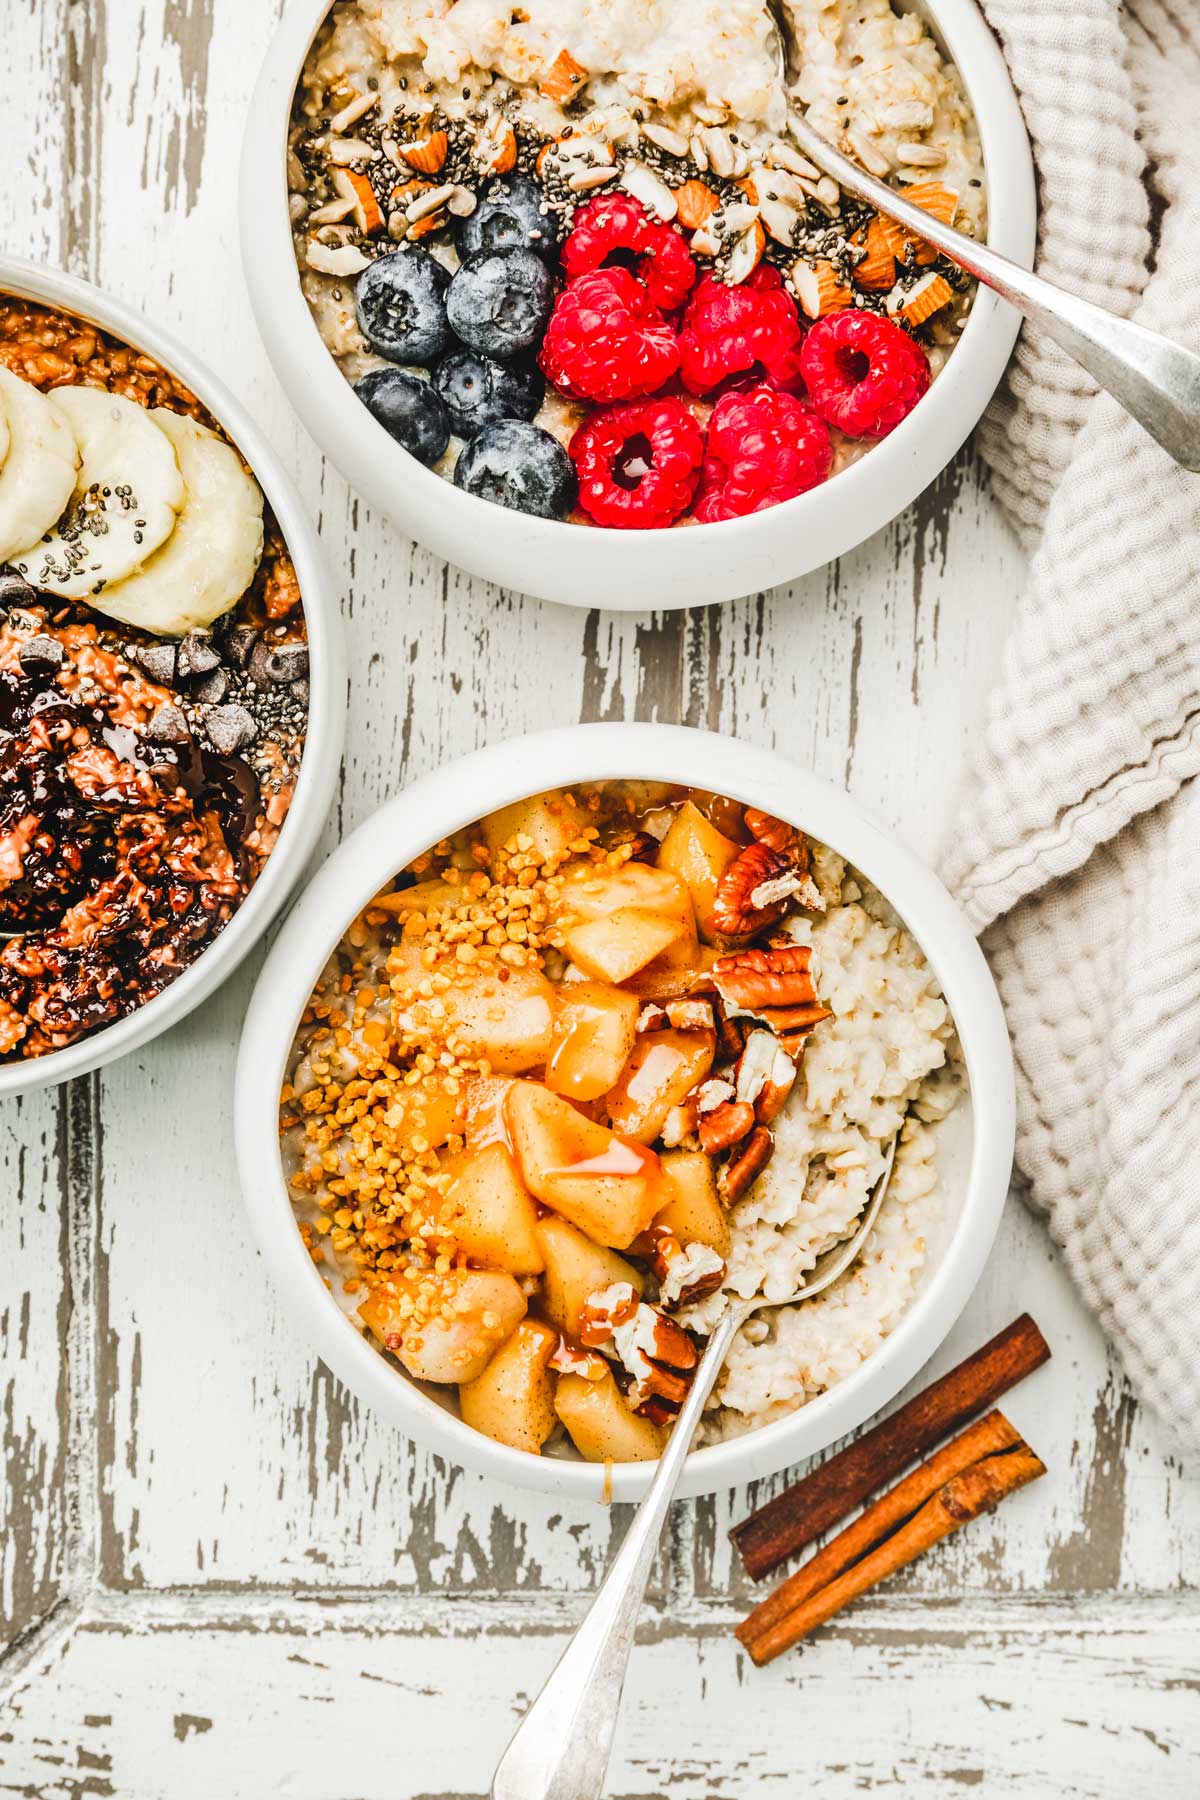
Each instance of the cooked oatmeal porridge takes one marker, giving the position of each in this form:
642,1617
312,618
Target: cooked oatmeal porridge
570,257
592,1067
153,679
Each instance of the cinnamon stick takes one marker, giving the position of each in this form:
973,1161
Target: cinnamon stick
987,1437
966,1496
808,1508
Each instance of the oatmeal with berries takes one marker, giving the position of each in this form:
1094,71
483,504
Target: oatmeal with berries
589,1069
571,258
153,679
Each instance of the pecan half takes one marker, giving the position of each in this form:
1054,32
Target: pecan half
754,979
777,834
725,1126
746,1166
734,912
685,1272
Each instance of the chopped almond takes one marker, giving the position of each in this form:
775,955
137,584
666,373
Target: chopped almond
404,195
428,154
495,151
746,254
562,79
877,270
932,197
819,288
921,302
695,202
368,215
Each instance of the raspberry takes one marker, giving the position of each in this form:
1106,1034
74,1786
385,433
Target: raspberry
638,465
733,330
607,340
763,447
616,229
863,373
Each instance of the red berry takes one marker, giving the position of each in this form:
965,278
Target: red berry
763,447
638,465
735,330
863,373
607,340
618,226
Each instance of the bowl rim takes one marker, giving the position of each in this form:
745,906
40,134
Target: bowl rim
462,791
22,279
704,563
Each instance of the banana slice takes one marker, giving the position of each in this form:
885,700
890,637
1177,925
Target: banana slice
209,560
38,473
126,498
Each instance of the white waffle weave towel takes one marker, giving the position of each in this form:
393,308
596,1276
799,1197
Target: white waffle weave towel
1077,847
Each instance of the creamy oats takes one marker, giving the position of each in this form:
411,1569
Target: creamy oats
588,1070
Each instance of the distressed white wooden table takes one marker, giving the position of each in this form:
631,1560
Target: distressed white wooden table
219,1577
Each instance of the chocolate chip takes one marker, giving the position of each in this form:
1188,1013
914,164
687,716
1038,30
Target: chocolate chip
198,655
230,728
157,661
15,590
240,643
168,726
213,688
274,665
41,649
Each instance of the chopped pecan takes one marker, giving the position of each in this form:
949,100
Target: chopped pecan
725,1126
746,1166
653,1018
685,1272
680,1123
731,1033
568,1360
734,912
659,1412
713,1093
764,1075
655,1384
689,1015
777,834
758,980
604,1311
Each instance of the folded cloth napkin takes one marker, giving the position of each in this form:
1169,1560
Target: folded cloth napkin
1077,848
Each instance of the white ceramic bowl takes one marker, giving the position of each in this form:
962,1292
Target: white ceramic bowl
326,716
632,570
974,1163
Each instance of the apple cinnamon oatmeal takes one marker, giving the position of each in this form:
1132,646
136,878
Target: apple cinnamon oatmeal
591,1067
571,258
153,679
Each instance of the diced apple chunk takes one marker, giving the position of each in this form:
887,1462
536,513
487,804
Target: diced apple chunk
602,1426
490,1213
694,1212
665,1066
575,1270
509,1022
476,1310
616,947
699,855
607,1185
595,1026
552,822
593,892
513,1400
427,1110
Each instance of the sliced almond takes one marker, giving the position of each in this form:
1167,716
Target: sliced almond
352,112
646,186
562,79
428,154
407,195
341,151
782,156
672,142
695,202
344,259
920,156
368,215
333,211
819,288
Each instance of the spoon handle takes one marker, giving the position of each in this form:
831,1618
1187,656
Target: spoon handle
561,1748
1155,380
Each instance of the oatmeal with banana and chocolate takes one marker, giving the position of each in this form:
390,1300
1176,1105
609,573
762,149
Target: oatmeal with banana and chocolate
571,258
153,679
592,1067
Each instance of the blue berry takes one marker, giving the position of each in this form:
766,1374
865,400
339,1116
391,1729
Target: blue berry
520,466
409,410
401,306
499,301
480,392
511,214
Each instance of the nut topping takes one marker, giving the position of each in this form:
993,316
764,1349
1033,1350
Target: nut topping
745,901
777,986
746,1166
685,1272
725,1125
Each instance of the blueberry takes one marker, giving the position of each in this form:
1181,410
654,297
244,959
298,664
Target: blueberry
511,215
520,466
499,302
401,306
409,410
480,392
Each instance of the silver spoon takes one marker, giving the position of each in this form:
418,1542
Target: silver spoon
561,1748
1155,380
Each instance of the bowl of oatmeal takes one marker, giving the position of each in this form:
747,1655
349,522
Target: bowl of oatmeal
572,267
519,1110
170,708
